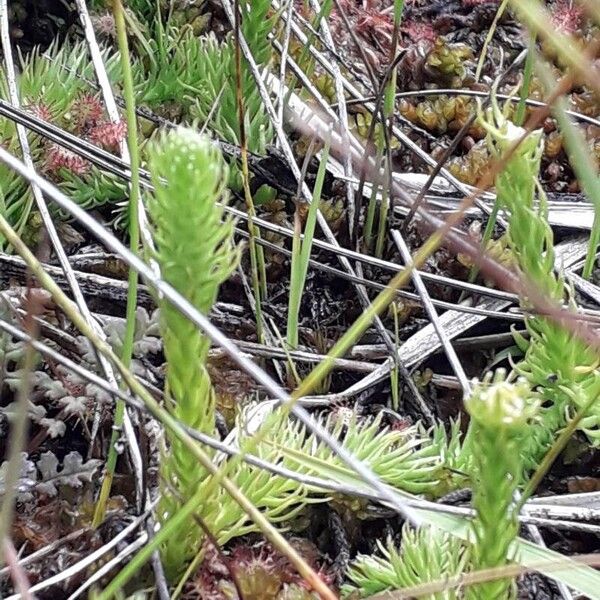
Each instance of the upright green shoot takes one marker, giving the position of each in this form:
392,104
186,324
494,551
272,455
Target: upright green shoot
388,113
488,232
196,254
301,250
370,218
563,367
526,83
257,259
501,415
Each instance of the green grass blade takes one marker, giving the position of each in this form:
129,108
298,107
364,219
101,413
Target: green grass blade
301,250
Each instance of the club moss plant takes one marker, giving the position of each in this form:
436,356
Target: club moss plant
196,75
556,361
196,254
426,554
502,415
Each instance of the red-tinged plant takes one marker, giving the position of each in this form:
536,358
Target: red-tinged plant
87,111
259,571
58,158
375,23
254,572
418,31
401,424
108,135
40,111
206,586
567,17
104,25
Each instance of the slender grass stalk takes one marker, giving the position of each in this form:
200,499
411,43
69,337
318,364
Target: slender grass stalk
291,365
394,375
377,306
488,38
526,84
161,27
295,295
384,207
593,244
388,114
370,218
501,415
134,241
18,438
194,564
257,258
301,250
308,68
